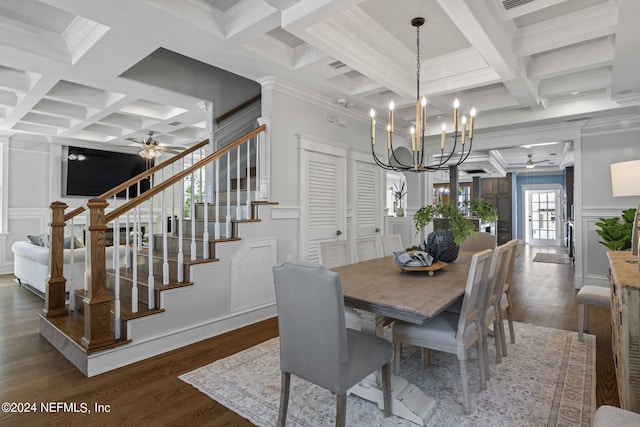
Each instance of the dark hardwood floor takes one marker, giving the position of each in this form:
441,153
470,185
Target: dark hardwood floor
149,392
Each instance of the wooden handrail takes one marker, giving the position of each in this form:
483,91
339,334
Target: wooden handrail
77,211
178,176
238,108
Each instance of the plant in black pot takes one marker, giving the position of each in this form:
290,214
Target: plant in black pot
451,227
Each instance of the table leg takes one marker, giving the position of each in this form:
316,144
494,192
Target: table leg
408,401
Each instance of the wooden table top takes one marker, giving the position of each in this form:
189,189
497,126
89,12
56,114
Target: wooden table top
378,286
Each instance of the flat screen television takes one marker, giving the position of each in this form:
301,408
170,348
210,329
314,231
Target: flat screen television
88,173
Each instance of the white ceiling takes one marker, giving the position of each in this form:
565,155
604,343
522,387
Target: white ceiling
63,63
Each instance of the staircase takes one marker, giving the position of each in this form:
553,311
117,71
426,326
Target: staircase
169,289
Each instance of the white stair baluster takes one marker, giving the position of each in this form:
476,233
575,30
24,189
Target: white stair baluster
134,264
217,178
150,278
165,240
238,185
248,201
116,276
228,219
180,232
72,267
203,197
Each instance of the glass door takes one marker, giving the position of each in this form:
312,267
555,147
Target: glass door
542,214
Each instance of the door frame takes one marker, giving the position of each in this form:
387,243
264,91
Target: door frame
525,207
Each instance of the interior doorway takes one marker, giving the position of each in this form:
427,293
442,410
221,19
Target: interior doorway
543,215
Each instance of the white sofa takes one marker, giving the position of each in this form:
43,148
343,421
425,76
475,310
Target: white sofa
31,265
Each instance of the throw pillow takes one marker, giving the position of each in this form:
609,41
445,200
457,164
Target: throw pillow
40,240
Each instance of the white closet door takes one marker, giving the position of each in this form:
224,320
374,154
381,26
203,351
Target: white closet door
367,199
323,195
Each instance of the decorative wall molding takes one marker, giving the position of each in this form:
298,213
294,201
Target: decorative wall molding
251,276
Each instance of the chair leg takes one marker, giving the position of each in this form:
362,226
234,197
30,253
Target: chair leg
397,354
512,333
341,410
503,337
386,388
465,386
284,398
582,314
425,357
498,338
483,347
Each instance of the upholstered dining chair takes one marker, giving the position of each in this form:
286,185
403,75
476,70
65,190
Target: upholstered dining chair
367,248
505,301
391,243
479,242
334,253
453,333
315,344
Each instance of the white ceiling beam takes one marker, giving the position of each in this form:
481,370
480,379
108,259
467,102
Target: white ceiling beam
587,24
583,81
493,40
626,78
572,59
250,18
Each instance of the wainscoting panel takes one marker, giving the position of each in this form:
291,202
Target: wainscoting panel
251,275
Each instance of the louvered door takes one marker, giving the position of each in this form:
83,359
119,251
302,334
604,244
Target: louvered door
323,196
367,200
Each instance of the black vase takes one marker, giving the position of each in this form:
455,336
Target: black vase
441,246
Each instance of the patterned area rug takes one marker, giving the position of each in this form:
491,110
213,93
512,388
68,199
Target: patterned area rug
552,258
548,379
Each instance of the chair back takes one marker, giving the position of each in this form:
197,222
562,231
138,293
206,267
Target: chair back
391,243
311,323
498,272
473,301
367,248
334,253
479,242
512,262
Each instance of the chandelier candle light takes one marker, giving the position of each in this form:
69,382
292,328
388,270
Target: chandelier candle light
418,133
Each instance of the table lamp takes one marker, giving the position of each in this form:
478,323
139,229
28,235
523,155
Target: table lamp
625,181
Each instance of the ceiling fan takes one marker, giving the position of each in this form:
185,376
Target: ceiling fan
530,164
151,148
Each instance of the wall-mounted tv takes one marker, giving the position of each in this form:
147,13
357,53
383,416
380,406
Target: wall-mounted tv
88,173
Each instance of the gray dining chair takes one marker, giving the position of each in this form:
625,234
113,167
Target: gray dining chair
391,243
479,242
315,344
505,306
367,248
453,333
491,315
334,253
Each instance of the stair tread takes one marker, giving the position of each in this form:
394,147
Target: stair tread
173,257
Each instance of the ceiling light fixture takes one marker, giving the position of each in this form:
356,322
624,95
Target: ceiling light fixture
418,133
530,164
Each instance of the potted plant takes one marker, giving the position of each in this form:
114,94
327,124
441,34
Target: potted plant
451,226
398,194
617,232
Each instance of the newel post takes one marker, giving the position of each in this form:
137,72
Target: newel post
54,300
97,304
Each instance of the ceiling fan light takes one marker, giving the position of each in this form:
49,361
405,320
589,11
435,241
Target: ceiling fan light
530,165
82,157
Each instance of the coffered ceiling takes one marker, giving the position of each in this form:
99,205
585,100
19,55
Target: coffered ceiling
94,72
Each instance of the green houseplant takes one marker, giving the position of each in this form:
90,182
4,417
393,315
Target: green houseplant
398,192
616,232
451,226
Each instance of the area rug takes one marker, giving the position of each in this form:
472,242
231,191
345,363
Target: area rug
548,379
552,258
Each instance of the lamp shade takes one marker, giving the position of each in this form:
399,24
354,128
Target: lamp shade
625,178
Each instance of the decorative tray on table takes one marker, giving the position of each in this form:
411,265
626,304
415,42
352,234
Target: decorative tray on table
430,269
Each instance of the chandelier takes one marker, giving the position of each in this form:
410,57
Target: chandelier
418,133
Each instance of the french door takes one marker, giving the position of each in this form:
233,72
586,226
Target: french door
543,215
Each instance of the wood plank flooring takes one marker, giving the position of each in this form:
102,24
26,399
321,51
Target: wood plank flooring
149,393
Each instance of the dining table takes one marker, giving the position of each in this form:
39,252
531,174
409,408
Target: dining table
381,291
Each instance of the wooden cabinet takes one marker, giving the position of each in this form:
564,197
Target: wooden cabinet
497,191
625,327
